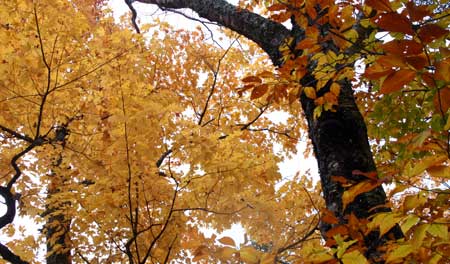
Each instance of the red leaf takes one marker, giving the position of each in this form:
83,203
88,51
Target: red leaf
395,22
253,79
430,32
442,100
277,7
377,71
259,91
416,13
371,174
418,61
382,5
396,80
403,47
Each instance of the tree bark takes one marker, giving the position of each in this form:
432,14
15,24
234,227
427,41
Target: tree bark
339,138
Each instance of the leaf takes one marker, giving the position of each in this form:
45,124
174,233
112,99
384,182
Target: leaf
373,175
362,187
403,47
442,171
395,22
306,44
418,61
249,255
382,5
384,221
430,32
227,241
335,89
377,71
418,167
442,100
419,234
276,7
417,13
310,92
439,230
411,220
354,257
396,80
252,79
259,91
443,70
328,217
399,253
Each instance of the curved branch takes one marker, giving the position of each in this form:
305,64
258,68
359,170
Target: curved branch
268,34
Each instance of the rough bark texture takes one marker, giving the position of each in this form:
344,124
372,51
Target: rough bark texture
339,138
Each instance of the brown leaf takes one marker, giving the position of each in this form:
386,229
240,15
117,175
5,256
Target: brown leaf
395,22
430,32
259,91
227,241
403,47
417,61
442,100
377,71
381,5
396,80
417,13
253,79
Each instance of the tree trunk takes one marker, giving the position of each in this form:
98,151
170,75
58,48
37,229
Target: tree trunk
339,138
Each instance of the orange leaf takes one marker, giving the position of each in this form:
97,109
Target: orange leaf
443,70
392,61
340,229
277,7
259,91
340,179
281,17
370,175
356,190
227,241
377,71
396,80
252,79
430,32
395,22
403,47
441,171
417,13
329,217
310,92
382,5
418,61
442,100
306,44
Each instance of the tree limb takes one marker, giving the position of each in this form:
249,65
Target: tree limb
268,34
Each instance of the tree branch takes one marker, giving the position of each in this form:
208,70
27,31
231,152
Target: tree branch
268,34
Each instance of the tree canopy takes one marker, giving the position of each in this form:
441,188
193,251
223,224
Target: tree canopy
125,147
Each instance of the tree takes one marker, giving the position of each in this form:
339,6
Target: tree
142,142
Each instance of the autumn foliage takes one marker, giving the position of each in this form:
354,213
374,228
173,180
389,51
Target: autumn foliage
123,147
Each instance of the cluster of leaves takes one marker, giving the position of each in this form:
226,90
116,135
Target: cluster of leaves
404,93
127,157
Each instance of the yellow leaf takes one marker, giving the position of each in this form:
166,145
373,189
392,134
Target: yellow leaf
418,167
438,230
411,220
357,189
249,255
442,171
227,241
335,89
399,253
354,257
310,92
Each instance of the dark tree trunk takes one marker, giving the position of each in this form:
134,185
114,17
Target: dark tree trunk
339,138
